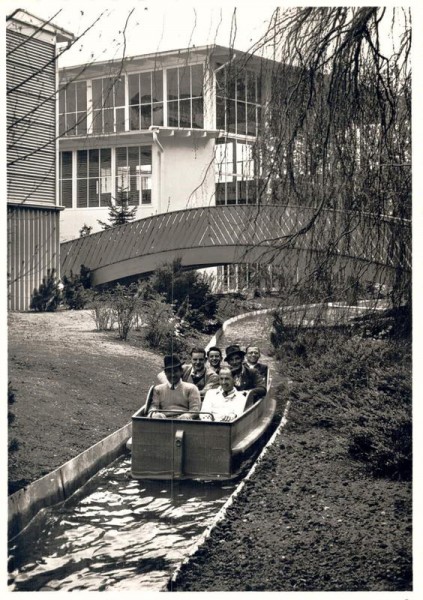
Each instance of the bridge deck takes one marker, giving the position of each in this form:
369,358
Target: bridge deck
227,234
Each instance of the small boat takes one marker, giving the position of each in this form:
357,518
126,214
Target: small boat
196,449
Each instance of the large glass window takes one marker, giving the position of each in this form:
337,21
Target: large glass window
145,99
108,96
133,174
73,108
93,182
235,173
65,179
238,100
94,178
185,104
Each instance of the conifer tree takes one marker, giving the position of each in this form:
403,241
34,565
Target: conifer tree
119,212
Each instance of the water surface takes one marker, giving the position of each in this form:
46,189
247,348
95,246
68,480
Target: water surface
115,533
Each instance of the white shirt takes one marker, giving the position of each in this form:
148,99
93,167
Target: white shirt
220,405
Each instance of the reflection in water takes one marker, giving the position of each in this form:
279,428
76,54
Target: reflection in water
116,533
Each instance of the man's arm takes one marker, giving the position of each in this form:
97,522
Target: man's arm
155,405
194,403
258,384
194,399
211,381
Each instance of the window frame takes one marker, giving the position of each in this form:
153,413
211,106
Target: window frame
72,122
189,99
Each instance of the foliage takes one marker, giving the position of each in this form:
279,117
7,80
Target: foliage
11,399
75,288
119,212
164,331
85,230
48,296
102,311
361,386
125,301
187,291
338,138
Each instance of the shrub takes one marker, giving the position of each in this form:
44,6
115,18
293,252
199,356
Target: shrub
85,230
384,444
11,399
125,301
75,288
164,331
48,296
188,291
102,312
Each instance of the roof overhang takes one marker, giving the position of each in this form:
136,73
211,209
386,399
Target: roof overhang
132,137
160,60
24,22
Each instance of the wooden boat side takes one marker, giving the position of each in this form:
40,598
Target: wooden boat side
250,426
184,449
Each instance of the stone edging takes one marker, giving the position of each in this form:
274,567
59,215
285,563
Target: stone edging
215,339
220,516
61,483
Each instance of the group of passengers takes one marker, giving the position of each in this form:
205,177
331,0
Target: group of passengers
209,384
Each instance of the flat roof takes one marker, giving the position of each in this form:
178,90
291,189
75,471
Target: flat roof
214,50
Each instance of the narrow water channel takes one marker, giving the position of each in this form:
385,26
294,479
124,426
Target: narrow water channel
121,534
115,533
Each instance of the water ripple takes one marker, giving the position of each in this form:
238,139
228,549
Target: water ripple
115,533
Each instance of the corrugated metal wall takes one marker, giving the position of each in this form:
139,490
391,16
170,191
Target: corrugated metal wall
31,118
32,219
33,249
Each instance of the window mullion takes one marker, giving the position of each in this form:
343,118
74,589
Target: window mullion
165,98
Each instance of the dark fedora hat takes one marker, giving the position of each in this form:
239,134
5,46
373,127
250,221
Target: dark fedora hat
171,362
235,349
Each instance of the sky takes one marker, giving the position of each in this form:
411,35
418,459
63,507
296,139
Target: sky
154,26
151,26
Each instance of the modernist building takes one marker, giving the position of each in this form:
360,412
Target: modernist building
32,148
164,132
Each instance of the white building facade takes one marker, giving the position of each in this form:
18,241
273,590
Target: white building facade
163,132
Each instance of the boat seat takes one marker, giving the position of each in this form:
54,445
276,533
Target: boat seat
146,407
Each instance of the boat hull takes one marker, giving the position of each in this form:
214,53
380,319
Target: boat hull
194,449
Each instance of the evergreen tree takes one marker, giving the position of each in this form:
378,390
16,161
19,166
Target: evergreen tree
119,211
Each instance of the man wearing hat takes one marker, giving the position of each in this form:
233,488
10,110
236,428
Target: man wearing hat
244,378
174,395
196,372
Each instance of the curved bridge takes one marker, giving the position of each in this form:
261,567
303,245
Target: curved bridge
219,235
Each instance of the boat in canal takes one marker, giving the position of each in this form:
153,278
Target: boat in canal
197,449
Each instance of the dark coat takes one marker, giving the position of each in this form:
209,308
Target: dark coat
248,379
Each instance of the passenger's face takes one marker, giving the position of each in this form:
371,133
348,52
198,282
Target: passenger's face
214,358
198,359
253,354
234,361
173,375
226,381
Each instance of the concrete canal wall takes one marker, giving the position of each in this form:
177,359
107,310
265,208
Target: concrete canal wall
61,483
58,485
64,481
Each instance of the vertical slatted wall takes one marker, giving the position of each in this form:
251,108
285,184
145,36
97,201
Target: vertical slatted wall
33,249
33,219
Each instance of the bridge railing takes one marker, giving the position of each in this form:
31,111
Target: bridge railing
271,229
